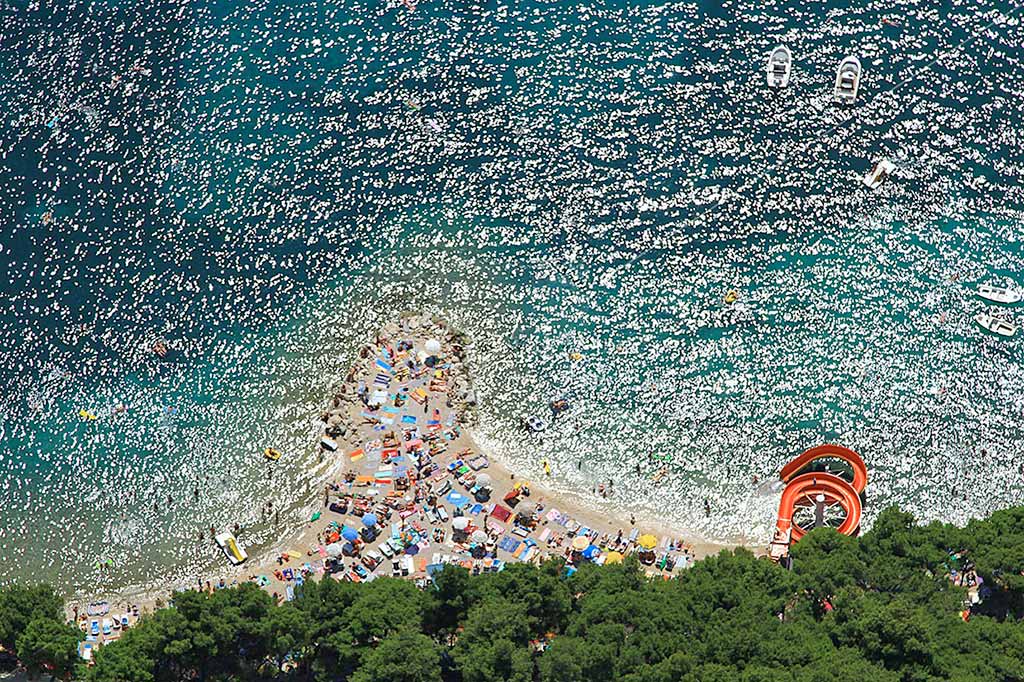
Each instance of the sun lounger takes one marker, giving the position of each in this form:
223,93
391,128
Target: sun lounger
634,534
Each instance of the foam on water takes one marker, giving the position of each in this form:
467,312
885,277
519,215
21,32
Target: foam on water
262,187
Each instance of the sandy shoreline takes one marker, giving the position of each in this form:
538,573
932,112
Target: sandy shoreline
345,415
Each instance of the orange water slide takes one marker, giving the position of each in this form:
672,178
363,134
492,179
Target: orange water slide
860,471
804,490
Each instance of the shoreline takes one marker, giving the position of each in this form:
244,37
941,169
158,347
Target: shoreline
342,417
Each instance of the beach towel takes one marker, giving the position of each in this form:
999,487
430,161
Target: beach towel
509,545
553,515
634,534
457,499
289,592
501,513
545,534
357,455
408,419
382,380
495,527
385,366
476,509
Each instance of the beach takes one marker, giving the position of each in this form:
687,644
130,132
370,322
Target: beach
363,460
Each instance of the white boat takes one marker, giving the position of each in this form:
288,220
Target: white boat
879,173
535,424
780,65
847,80
234,553
999,294
995,325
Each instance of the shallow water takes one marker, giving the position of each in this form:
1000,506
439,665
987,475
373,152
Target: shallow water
262,188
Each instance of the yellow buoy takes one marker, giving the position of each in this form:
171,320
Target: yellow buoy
272,454
87,415
576,356
731,296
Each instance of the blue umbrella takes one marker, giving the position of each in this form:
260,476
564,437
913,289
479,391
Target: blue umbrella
349,548
369,520
350,534
412,550
589,552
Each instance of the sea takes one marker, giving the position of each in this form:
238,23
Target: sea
259,187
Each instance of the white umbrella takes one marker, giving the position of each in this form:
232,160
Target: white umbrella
483,480
433,346
478,537
334,550
460,523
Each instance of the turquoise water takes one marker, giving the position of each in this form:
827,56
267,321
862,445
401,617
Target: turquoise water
263,187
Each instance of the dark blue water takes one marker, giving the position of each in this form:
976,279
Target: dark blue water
261,186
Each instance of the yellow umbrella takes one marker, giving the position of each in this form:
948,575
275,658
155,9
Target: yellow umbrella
647,541
613,558
580,543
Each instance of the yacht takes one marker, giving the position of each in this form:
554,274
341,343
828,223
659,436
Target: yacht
879,173
780,64
847,80
999,294
995,325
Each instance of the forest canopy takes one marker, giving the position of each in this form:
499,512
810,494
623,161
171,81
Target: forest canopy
888,606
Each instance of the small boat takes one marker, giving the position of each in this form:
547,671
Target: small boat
780,65
879,173
234,553
995,325
847,80
328,443
999,294
536,424
272,454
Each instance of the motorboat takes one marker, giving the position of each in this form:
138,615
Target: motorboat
780,65
882,170
995,325
228,543
999,294
535,424
847,80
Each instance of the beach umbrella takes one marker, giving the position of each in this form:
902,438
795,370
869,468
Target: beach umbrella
483,480
460,523
590,551
350,534
647,541
432,346
478,537
580,543
369,520
334,550
348,548
412,550
613,558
